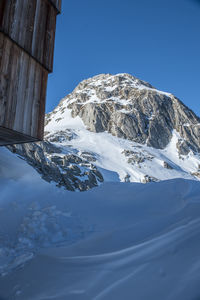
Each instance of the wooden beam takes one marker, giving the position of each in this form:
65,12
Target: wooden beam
10,137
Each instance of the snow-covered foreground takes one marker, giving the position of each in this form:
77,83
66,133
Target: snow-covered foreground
117,241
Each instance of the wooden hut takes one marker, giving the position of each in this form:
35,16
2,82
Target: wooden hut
27,34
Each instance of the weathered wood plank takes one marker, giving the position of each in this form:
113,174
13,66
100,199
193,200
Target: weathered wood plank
40,30
4,61
43,88
22,90
12,75
28,26
27,34
29,94
31,24
49,38
21,93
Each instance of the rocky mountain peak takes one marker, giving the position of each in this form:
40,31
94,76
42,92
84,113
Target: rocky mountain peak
111,81
116,128
130,108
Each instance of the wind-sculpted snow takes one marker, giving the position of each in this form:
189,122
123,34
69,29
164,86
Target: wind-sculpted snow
117,241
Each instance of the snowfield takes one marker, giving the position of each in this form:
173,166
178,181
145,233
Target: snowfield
117,241
109,152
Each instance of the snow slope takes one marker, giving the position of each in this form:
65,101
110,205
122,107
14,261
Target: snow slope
109,152
116,128
116,241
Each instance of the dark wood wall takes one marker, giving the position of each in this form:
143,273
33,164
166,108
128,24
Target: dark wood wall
23,89
27,34
31,24
57,4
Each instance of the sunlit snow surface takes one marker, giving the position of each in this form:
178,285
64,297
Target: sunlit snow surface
109,149
117,241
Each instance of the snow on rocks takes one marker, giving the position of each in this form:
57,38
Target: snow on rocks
116,127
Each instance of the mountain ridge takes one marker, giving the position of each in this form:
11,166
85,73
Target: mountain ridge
153,136
130,108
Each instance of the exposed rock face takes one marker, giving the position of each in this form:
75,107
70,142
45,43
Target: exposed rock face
132,109
137,156
68,170
127,108
183,147
148,178
196,174
167,166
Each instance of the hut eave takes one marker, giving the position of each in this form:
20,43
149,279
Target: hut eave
10,137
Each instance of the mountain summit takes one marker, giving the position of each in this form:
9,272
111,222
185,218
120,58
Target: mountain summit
117,127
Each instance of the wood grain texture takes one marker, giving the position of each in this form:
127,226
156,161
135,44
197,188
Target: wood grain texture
22,90
27,36
31,24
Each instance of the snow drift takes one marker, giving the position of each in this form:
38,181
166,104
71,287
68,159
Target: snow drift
116,241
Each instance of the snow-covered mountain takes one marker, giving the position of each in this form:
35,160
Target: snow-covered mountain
116,128
111,241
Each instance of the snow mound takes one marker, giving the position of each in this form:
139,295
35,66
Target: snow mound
107,243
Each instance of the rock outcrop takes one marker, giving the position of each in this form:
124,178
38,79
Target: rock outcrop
132,109
127,108
68,170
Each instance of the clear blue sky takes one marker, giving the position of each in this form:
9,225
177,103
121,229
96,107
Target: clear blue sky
156,40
